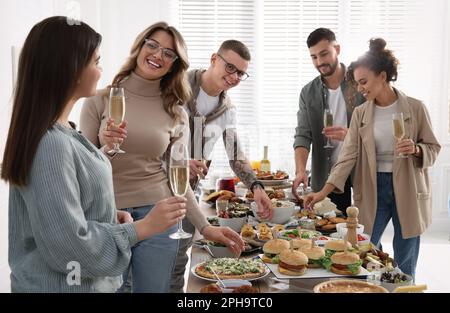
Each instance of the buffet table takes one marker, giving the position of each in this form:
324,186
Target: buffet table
264,285
267,284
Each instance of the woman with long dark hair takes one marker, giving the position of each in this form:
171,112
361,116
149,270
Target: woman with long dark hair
63,235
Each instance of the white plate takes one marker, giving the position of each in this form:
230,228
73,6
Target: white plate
273,182
323,242
312,272
266,272
362,242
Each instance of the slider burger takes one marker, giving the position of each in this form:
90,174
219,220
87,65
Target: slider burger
292,262
315,255
272,249
301,243
345,263
333,246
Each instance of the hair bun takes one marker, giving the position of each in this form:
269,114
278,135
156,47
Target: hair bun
377,44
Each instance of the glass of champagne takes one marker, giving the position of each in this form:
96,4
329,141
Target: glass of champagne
179,179
328,122
398,129
117,111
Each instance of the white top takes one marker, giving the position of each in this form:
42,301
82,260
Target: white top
336,103
213,130
384,138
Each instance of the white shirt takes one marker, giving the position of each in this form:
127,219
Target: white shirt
336,103
213,130
384,138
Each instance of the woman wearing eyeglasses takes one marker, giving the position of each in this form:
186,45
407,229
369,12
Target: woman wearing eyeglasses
155,89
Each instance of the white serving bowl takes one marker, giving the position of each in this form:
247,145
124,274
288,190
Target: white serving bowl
235,223
341,229
230,284
281,214
391,286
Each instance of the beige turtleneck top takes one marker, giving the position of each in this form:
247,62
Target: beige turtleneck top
139,175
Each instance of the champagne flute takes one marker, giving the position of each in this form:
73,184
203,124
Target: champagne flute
117,111
398,127
179,179
328,122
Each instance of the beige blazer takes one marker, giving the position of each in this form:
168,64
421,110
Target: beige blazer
411,183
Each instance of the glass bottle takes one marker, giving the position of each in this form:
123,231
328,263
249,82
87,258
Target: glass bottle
265,163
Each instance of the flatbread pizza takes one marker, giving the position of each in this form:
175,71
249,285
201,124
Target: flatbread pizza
231,268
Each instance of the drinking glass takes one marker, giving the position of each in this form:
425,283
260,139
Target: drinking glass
179,179
328,122
398,128
117,111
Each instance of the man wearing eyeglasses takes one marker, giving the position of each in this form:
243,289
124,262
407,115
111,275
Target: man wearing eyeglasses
211,116
333,91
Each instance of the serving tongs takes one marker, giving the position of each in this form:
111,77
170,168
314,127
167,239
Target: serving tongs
222,285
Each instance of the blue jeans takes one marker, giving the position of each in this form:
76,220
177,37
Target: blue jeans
152,259
406,251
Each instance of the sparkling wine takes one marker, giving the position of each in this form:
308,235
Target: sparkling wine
179,179
117,109
327,119
399,128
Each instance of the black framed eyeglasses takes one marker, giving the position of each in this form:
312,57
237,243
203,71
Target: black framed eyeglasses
231,69
167,54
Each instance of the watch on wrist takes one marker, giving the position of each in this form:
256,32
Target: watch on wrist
254,184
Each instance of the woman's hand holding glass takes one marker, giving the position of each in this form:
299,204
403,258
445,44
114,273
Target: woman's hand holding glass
117,111
406,147
398,129
165,214
112,134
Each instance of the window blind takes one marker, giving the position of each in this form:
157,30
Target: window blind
276,33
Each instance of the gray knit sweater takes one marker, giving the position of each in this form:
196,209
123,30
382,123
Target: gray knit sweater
65,219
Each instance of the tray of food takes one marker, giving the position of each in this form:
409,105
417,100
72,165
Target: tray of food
230,268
